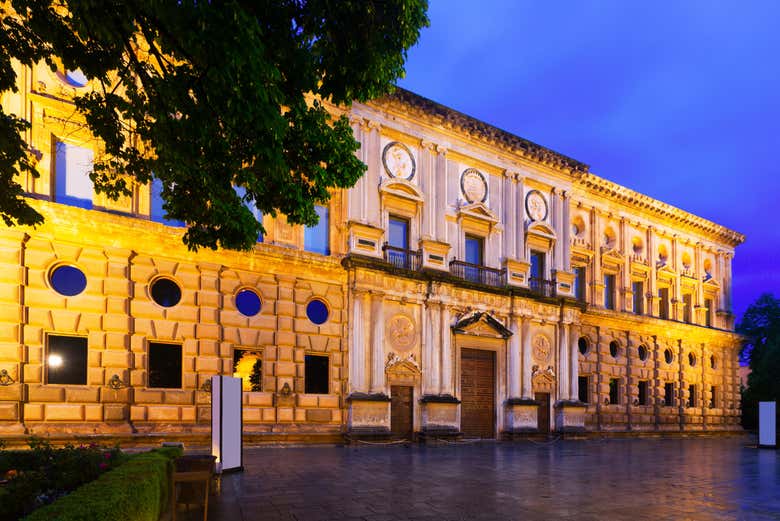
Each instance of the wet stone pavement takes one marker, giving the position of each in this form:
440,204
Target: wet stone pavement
638,479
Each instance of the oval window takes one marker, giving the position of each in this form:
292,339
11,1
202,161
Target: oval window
317,311
613,348
642,352
68,280
668,356
582,343
248,302
76,78
691,359
166,292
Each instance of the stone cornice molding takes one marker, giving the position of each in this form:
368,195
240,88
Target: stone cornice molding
615,192
419,107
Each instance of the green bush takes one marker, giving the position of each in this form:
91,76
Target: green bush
137,490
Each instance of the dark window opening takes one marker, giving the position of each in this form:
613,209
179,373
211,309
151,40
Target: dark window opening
642,352
165,365
582,344
687,307
692,395
708,312
663,303
583,394
317,238
248,365
317,374
537,265
669,394
609,291
68,280
248,302
691,359
642,399
166,292
713,396
579,282
398,232
638,299
668,356
713,364
66,363
474,255
614,390
614,348
317,311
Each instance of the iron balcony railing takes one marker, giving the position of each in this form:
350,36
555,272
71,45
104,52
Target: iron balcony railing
402,258
543,287
478,273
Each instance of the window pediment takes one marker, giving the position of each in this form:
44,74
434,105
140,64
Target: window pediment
402,189
479,212
542,230
711,282
481,324
611,254
666,269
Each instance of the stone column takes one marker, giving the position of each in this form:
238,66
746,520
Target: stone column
447,387
574,369
556,197
357,349
677,266
357,194
430,361
563,361
378,381
727,282
566,232
527,386
514,366
626,250
597,282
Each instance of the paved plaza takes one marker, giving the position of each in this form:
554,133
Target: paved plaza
637,479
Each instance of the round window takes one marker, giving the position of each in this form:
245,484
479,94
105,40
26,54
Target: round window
613,348
668,356
76,78
317,311
68,280
691,359
642,352
248,302
582,343
166,292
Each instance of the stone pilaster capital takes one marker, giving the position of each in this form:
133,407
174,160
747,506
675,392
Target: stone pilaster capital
442,150
360,292
356,120
376,294
428,145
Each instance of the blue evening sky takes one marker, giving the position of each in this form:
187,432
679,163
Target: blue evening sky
677,100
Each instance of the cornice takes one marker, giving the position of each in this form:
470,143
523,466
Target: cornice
616,192
418,106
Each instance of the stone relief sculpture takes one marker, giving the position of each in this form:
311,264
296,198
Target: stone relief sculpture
474,186
401,332
541,349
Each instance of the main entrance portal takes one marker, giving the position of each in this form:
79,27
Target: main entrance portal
478,393
544,411
401,411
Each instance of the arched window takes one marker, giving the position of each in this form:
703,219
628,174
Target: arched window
642,352
582,344
614,348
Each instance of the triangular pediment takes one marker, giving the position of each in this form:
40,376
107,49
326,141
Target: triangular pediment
709,280
541,229
664,267
479,323
478,211
611,253
401,188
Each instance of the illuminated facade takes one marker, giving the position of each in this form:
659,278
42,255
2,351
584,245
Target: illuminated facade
471,282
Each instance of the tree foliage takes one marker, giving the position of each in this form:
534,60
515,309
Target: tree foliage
761,327
209,96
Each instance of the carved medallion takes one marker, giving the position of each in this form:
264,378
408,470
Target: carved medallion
398,161
474,186
401,332
536,206
541,350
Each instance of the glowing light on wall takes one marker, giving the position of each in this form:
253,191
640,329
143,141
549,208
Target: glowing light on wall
55,361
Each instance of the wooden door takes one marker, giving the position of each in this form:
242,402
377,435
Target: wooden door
401,424
478,393
544,411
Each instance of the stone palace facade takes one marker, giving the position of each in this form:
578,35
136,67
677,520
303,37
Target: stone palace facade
471,283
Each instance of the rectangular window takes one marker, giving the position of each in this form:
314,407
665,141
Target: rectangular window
317,238
398,241
72,165
156,211
583,389
250,205
609,291
614,390
669,394
708,312
248,365
692,395
537,265
638,288
165,365
713,397
317,374
663,303
580,275
687,307
474,255
643,386
66,363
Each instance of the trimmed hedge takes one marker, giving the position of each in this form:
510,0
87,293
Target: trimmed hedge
135,491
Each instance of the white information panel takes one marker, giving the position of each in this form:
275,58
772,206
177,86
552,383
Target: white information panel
767,424
226,423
